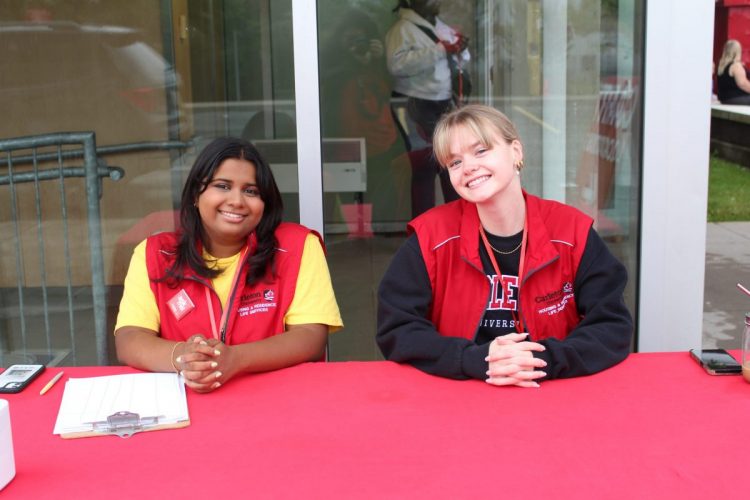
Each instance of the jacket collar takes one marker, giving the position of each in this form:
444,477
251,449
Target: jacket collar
251,243
539,249
188,271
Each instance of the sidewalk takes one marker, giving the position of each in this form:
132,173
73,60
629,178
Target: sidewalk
727,263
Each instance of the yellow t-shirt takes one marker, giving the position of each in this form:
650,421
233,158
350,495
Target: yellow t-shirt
313,302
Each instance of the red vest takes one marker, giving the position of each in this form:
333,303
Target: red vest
255,312
449,240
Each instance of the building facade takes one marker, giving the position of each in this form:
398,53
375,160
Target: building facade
611,98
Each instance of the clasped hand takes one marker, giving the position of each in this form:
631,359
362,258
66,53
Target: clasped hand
512,362
205,364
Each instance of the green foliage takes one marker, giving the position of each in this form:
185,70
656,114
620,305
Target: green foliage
728,191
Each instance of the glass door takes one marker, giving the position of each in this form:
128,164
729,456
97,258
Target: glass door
236,58
566,72
155,81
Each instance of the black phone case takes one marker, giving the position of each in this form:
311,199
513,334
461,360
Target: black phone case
722,370
22,386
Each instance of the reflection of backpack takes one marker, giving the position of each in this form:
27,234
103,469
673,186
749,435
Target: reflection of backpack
460,80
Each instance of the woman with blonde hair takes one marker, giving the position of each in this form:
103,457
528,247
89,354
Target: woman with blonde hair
733,85
500,285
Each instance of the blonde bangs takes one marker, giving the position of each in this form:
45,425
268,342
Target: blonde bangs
483,122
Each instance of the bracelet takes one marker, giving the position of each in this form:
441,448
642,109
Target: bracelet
171,356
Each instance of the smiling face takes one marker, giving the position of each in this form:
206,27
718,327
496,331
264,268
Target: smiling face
483,173
230,207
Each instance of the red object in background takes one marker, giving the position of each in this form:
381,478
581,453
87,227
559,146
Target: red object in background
153,223
358,217
732,21
145,98
38,15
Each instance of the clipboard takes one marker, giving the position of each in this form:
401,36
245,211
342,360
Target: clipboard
122,405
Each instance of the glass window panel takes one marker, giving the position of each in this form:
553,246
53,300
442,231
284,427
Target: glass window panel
155,80
568,73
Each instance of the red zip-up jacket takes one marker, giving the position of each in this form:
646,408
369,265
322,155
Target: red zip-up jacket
255,312
434,294
556,238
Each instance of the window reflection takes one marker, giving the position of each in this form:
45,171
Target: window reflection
180,72
566,72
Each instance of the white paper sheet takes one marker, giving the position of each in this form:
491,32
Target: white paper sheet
93,399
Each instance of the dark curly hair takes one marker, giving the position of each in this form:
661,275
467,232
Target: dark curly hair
191,230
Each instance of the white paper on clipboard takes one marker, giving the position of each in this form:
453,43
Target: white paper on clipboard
90,400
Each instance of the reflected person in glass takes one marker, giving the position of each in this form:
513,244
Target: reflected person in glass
355,90
501,285
418,48
234,290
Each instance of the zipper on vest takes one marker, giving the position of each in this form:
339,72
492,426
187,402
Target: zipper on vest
535,270
524,280
487,300
223,331
230,302
208,285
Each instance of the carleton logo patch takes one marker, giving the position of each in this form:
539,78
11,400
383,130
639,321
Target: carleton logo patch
257,302
555,302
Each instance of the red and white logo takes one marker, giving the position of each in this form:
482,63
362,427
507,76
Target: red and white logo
180,304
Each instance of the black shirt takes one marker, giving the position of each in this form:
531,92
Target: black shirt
503,301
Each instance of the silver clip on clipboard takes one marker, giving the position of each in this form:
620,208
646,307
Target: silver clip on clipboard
124,424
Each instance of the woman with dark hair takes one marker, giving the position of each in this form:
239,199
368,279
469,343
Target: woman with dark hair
234,289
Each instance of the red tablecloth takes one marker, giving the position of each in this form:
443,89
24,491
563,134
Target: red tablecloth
655,426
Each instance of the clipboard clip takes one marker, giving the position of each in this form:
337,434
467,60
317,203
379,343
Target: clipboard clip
124,424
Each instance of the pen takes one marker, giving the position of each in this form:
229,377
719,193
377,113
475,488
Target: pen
743,289
51,383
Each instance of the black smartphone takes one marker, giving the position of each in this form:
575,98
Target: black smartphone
716,361
16,377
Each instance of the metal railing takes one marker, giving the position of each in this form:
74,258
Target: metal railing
47,168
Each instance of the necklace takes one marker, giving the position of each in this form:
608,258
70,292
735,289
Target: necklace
520,328
507,252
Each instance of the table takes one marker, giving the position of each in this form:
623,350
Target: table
655,426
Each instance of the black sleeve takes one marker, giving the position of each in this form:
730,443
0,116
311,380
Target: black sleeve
603,337
405,335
